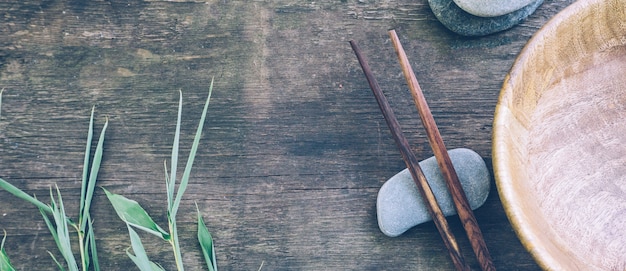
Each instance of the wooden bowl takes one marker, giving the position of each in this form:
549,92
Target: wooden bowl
559,140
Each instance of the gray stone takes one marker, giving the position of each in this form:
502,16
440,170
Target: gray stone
463,23
399,205
491,8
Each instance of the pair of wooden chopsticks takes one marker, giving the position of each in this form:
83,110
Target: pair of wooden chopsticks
443,159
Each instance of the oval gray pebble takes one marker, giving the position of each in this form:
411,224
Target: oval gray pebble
491,8
463,23
400,206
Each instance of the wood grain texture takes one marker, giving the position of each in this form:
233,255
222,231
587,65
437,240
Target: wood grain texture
294,149
559,140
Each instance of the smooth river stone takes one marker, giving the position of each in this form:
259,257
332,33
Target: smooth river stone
400,206
463,23
491,8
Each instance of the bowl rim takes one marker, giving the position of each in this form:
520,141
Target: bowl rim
503,179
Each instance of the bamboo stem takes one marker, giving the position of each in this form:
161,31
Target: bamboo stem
412,164
445,164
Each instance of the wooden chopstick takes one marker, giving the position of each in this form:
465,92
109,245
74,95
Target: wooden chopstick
445,164
412,164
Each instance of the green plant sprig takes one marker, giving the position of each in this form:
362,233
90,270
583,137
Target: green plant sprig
130,211
135,216
58,225
5,263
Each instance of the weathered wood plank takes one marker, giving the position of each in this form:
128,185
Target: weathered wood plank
294,149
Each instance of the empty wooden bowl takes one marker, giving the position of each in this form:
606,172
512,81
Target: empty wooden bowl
559,141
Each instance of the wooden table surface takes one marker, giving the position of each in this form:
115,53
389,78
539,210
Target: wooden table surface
294,148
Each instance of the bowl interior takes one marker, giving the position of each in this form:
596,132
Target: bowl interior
560,140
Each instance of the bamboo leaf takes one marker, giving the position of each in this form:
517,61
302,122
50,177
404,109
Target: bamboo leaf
83,190
59,265
49,224
173,209
138,249
140,258
132,213
178,257
5,263
62,231
91,245
90,174
95,168
206,243
55,229
174,160
89,183
22,195
167,185
192,155
153,266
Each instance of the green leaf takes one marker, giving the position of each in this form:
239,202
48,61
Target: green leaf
95,168
174,159
206,243
140,258
62,231
59,265
192,155
88,246
153,266
20,194
5,263
89,180
140,253
132,213
51,228
83,190
170,194
91,244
